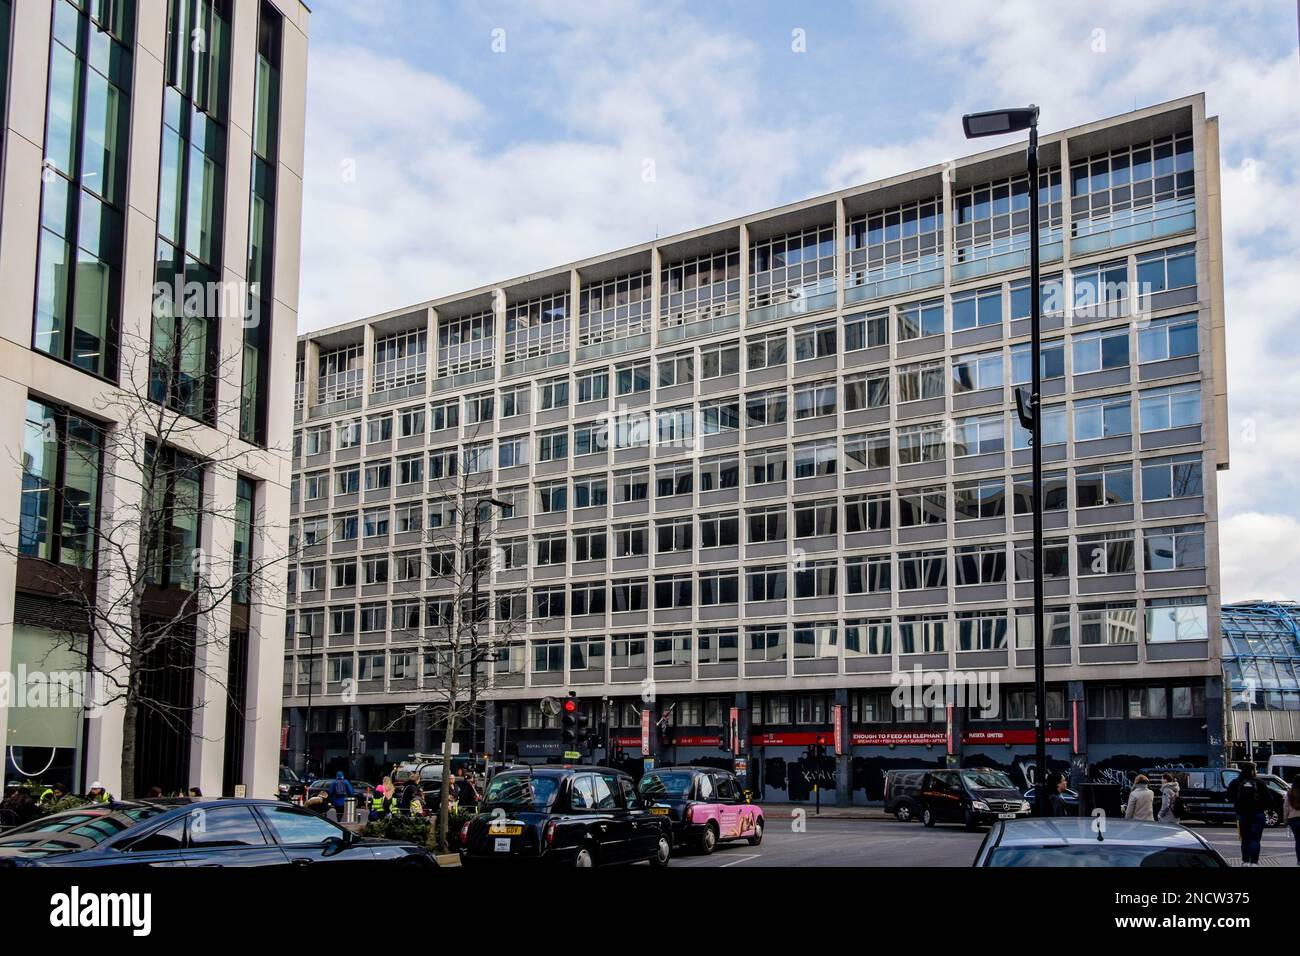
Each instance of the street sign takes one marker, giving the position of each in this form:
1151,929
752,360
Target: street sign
839,729
645,732
647,764
572,755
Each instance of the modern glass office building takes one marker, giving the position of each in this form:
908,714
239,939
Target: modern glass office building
147,147
1261,674
747,475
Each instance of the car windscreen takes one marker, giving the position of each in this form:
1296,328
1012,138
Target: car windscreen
987,780
521,792
654,786
76,830
1091,855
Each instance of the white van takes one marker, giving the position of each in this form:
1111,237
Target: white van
1286,766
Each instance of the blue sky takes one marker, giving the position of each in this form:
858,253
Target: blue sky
451,144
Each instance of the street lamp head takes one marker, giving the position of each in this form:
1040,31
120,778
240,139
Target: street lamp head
999,122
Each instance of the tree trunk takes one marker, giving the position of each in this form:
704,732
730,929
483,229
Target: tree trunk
128,749
444,796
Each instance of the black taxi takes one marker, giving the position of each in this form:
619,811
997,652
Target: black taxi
571,815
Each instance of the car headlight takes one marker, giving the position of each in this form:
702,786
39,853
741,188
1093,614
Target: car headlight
1024,806
980,805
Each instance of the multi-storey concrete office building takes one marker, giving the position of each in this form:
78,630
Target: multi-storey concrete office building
756,469
147,143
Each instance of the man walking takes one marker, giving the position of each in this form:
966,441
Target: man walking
1249,801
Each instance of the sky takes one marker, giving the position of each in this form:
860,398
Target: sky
451,144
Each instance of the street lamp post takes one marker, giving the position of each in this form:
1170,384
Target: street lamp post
997,123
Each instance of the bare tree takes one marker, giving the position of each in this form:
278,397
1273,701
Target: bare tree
462,629
148,593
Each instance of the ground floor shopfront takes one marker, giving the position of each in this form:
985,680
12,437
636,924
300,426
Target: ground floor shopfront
830,749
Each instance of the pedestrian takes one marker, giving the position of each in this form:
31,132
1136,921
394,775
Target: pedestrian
381,805
1170,802
154,793
53,794
98,793
1291,814
196,793
1140,800
1056,802
339,790
1249,800
409,798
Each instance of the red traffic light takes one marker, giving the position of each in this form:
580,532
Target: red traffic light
570,705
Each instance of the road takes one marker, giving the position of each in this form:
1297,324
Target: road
828,841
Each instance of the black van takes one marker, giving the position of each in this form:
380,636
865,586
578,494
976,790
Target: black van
971,796
1204,794
903,793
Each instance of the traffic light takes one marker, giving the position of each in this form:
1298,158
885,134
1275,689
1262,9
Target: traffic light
581,729
569,721
819,750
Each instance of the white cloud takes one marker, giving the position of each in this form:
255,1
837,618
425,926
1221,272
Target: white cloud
1259,554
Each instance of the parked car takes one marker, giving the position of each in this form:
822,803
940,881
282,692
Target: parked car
1204,793
290,785
970,797
1070,798
903,793
1072,841
575,816
705,806
200,833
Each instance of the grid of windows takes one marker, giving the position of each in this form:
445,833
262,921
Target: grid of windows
792,266
993,218
400,360
895,242
614,309
698,288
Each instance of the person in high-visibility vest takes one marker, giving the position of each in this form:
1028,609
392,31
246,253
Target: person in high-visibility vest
53,794
380,804
97,793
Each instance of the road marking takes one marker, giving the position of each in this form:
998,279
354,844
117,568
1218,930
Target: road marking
741,859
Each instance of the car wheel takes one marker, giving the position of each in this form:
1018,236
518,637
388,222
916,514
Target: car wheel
663,851
757,838
584,858
927,817
903,812
708,840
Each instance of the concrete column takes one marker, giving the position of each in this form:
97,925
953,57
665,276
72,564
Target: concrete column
844,761
958,727
741,703
1076,702
212,654
297,739
1214,716
489,743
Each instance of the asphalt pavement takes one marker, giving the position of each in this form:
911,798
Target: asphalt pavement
868,838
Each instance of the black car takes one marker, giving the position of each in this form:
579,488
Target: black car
1204,794
1069,797
575,816
902,793
971,797
200,833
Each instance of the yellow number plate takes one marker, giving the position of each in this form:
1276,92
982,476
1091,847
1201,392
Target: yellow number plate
506,831
662,811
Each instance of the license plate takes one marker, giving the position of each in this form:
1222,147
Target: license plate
501,845
1006,816
660,811
506,831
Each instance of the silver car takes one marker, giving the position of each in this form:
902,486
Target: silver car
1087,841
